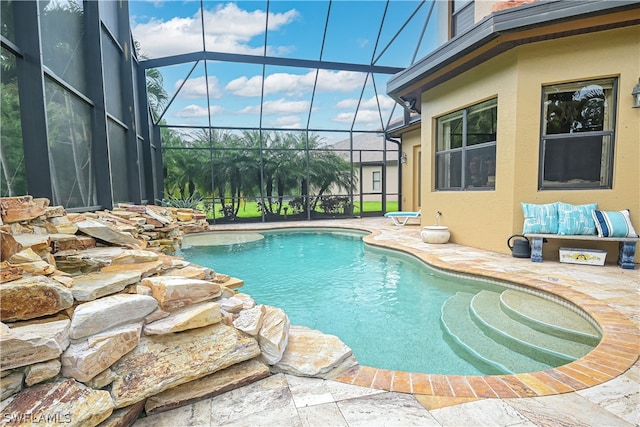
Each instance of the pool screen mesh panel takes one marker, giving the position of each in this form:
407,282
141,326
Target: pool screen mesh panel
295,76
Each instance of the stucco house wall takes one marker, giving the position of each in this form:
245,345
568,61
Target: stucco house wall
486,219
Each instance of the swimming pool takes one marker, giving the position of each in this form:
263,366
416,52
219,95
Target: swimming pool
386,306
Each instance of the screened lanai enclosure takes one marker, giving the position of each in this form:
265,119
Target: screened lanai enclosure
248,110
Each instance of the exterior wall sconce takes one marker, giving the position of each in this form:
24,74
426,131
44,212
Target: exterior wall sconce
410,104
636,95
403,159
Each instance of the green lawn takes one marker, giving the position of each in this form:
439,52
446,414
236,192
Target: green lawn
250,209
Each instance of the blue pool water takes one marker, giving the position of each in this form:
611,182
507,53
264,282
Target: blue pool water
384,305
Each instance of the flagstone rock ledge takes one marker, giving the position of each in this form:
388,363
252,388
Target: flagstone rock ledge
101,321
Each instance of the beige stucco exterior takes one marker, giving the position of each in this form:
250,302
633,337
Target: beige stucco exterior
485,219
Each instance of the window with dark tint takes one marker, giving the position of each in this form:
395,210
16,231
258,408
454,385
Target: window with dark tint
466,148
578,123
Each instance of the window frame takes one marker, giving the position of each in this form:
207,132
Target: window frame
611,134
376,181
467,6
465,149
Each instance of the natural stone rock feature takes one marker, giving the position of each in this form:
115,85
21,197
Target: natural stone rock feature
40,372
85,360
160,362
105,233
135,257
100,315
273,335
95,285
247,301
37,242
124,417
250,320
29,344
87,260
62,225
231,305
31,297
9,273
8,245
158,217
11,384
17,209
102,380
192,272
190,317
227,379
173,293
310,353
64,242
65,402
229,282
145,269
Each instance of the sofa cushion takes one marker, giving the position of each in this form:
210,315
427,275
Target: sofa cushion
614,224
576,219
540,218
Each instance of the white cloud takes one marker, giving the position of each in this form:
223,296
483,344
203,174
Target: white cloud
297,84
197,111
227,29
364,116
371,103
196,88
279,106
287,122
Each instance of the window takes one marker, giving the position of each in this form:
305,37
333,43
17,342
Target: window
578,122
466,148
376,181
462,16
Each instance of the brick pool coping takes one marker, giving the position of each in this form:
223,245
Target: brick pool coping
617,351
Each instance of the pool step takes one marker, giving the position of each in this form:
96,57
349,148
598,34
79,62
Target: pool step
560,321
466,335
486,310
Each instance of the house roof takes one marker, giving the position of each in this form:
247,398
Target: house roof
505,29
367,148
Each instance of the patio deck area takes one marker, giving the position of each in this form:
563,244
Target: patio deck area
601,389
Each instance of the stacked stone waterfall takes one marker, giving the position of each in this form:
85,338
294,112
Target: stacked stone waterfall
101,321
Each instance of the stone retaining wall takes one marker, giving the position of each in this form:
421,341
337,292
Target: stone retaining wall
102,322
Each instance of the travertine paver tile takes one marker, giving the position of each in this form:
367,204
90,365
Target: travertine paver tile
308,391
568,409
460,386
263,403
620,396
324,415
386,409
480,413
341,391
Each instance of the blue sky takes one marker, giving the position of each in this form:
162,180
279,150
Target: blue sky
165,28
